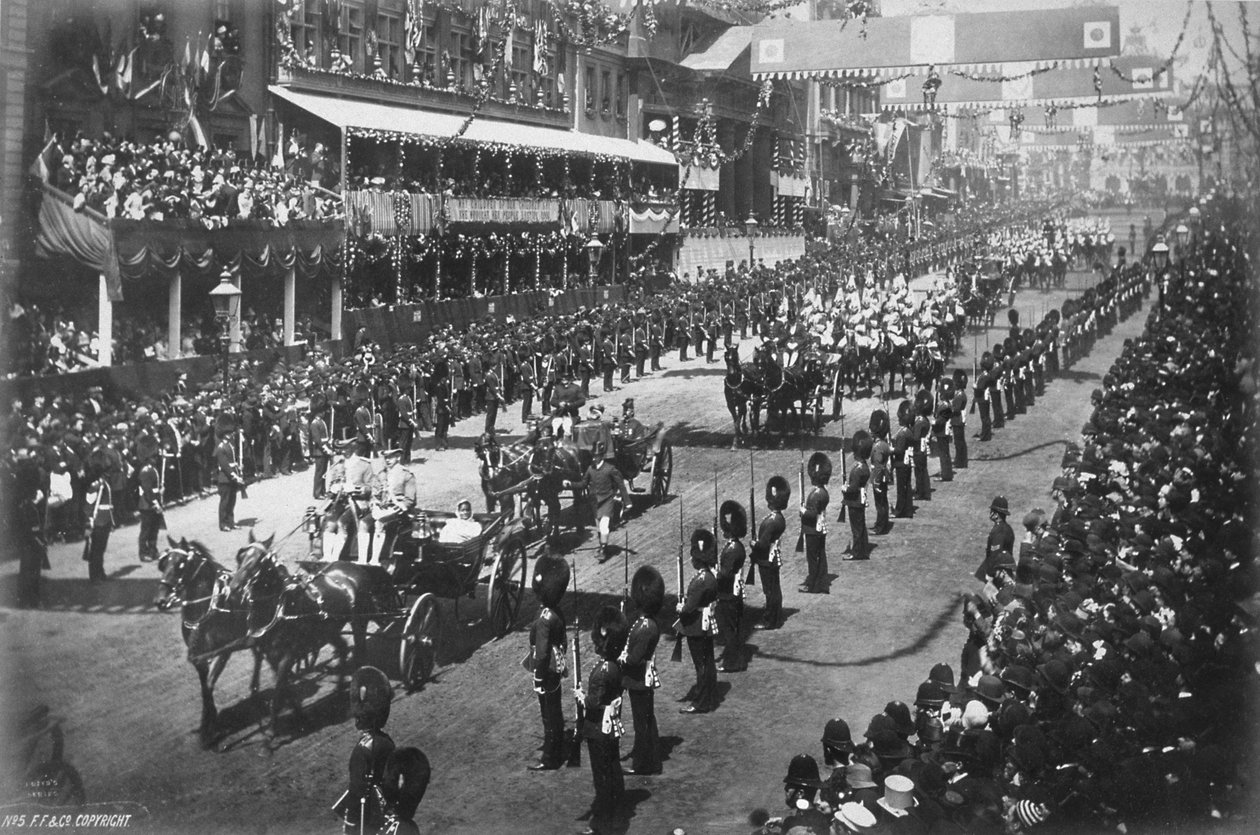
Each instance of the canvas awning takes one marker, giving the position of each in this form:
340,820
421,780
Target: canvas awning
718,57
353,113
890,46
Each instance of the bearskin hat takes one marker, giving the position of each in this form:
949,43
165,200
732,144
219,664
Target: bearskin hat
146,447
551,579
923,402
406,779
878,423
1029,336
778,491
819,469
733,519
703,547
999,352
609,632
905,413
946,389
647,590
319,402
986,361
1053,316
360,393
224,425
1012,316
960,379
862,443
370,697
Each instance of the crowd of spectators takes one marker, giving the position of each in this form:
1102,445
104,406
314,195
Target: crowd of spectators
163,180
1107,680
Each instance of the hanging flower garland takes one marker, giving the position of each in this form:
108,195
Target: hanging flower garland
1000,79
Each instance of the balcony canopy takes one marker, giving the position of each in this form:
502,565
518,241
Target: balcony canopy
353,113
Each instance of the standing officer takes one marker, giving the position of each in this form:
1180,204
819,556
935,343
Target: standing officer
99,521
320,445
526,385
638,669
958,419
767,553
363,423
922,432
855,496
730,587
492,395
640,348
227,471
150,499
656,345
442,412
941,428
903,460
982,394
602,726
814,524
625,356
586,364
406,409
548,658
881,472
608,361
696,622
999,548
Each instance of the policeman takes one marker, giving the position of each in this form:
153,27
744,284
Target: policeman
881,470
638,669
855,496
999,548
548,657
814,524
362,806
696,622
730,587
767,552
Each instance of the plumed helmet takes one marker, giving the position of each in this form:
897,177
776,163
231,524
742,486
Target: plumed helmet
733,520
960,379
370,697
551,579
879,423
905,413
986,361
609,632
778,491
703,547
647,590
862,443
819,469
1000,505
923,402
224,425
1012,316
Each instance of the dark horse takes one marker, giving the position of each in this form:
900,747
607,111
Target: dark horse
788,388
926,366
292,617
199,585
538,467
742,388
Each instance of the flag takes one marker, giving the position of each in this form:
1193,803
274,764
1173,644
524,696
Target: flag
561,67
414,25
203,61
198,133
253,136
509,34
540,48
122,70
277,161
43,164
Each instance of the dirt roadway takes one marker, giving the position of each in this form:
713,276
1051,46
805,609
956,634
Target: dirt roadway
113,667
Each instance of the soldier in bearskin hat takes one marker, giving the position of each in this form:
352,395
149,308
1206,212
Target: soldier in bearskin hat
958,418
814,524
881,469
767,552
696,621
855,496
548,658
903,459
983,396
998,386
922,432
638,669
362,806
730,582
942,429
602,726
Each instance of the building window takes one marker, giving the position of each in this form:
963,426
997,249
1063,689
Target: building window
605,92
303,30
350,38
427,55
588,92
621,96
547,82
223,9
389,42
522,67
461,57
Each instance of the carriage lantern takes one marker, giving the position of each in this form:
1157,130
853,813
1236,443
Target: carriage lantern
311,525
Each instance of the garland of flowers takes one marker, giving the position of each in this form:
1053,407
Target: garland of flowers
597,24
1167,64
873,83
998,79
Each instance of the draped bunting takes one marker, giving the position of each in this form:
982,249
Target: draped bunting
131,249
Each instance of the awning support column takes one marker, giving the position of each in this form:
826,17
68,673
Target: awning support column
174,305
290,303
334,315
104,323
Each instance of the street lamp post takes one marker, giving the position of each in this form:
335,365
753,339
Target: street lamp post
750,229
226,297
1159,257
594,248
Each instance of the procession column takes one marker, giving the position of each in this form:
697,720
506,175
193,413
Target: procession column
174,304
104,323
290,302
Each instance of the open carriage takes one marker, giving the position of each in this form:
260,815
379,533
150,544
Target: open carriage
646,462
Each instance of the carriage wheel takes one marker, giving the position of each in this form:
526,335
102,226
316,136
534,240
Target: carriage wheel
417,653
507,588
662,473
